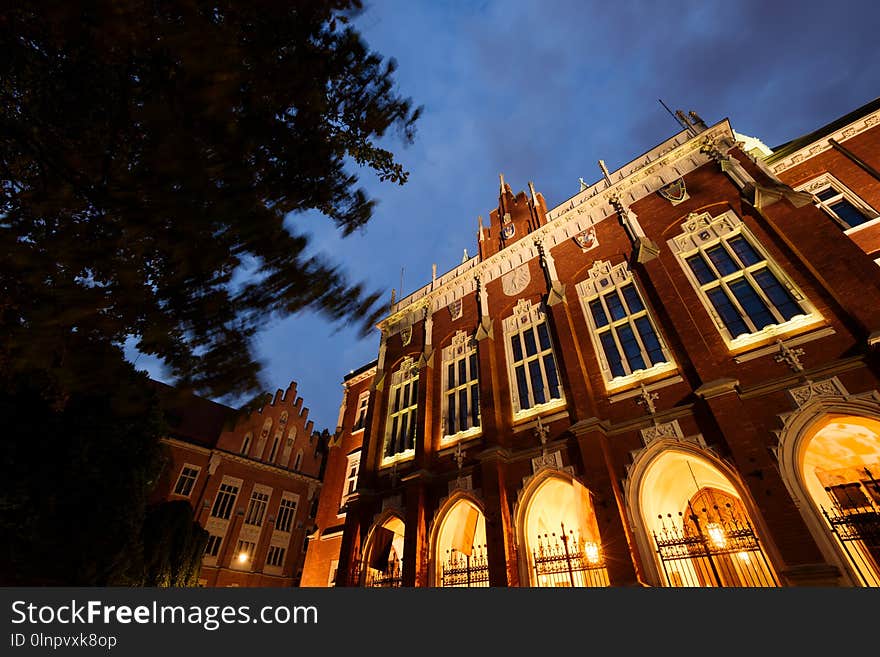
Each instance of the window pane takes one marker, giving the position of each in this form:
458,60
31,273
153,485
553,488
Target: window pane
615,307
415,392
475,405
396,406
754,306
611,353
529,337
701,269
778,294
537,382
744,251
473,367
729,314
450,376
649,338
462,409
392,439
516,346
631,348
543,336
633,301
849,213
411,436
401,437
522,388
552,378
406,389
828,193
450,414
722,260
598,313
462,371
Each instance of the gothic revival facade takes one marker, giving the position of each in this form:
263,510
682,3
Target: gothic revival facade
252,480
670,379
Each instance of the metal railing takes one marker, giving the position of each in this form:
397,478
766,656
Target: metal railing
854,518
567,560
711,546
465,570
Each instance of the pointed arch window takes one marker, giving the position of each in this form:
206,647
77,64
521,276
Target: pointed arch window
403,400
749,297
534,376
461,388
624,334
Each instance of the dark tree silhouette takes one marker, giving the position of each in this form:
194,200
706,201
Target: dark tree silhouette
150,153
155,160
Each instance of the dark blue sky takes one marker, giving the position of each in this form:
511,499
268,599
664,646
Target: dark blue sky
541,90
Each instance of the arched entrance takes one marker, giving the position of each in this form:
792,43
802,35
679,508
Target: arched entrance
559,534
460,545
696,522
839,469
383,559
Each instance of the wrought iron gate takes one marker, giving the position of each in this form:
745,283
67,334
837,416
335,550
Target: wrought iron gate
463,570
568,560
361,574
711,547
854,518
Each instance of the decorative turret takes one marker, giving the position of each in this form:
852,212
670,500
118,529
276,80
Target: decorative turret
515,217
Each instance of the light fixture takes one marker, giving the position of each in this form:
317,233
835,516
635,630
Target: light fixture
242,557
716,535
591,550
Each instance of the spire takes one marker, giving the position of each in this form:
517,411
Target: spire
605,173
534,196
501,177
464,257
480,220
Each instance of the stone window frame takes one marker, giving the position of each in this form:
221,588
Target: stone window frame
825,181
192,478
407,374
702,231
462,348
528,315
601,279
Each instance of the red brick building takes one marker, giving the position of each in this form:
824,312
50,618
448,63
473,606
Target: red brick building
670,379
339,479
252,480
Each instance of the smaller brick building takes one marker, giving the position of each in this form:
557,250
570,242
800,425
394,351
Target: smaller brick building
252,480
340,479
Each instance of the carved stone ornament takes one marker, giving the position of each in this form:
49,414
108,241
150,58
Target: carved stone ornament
660,431
406,334
552,460
461,483
462,342
514,282
508,230
675,192
586,239
455,309
828,388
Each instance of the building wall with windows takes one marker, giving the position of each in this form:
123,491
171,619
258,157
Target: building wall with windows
253,481
670,379
339,480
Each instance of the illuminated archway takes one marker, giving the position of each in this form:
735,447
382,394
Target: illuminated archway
559,534
833,463
459,540
382,565
695,520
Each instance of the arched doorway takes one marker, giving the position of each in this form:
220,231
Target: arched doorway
840,471
383,563
698,525
460,545
559,533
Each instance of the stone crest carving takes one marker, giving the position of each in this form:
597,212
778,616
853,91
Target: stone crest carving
515,281
675,192
802,395
586,239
